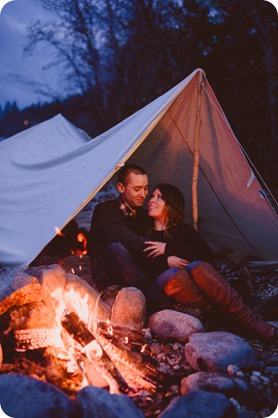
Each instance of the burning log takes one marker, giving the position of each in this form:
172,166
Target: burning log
124,337
32,339
132,350
94,353
137,368
120,358
76,328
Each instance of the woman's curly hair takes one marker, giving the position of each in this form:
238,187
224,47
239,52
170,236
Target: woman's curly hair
175,204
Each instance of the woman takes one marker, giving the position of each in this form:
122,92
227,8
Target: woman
184,243
175,269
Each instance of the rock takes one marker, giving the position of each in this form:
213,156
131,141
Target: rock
25,397
172,324
109,294
17,288
270,360
129,308
233,370
51,277
200,404
96,402
214,351
233,387
32,315
272,370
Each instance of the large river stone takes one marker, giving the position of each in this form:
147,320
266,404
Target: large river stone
214,351
25,397
172,324
17,288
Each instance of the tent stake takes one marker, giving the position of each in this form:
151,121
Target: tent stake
195,173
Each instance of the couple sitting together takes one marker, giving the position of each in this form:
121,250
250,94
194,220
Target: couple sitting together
154,251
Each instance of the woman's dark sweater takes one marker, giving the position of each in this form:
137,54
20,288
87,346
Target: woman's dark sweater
184,241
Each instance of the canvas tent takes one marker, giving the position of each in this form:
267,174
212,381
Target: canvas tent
49,173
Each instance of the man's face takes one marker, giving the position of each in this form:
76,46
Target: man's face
135,191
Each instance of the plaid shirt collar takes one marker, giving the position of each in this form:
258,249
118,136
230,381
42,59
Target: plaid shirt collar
125,209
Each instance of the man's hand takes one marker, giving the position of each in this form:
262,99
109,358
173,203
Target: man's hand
176,262
156,248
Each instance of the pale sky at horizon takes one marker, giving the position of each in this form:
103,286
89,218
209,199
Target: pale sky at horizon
15,16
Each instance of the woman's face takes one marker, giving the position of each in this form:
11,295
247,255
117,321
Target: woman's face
156,207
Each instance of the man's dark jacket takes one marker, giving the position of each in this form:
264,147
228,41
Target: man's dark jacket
109,224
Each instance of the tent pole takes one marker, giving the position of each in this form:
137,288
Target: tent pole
195,173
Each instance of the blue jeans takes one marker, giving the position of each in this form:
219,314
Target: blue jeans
120,268
164,277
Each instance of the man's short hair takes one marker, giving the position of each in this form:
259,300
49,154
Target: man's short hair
127,169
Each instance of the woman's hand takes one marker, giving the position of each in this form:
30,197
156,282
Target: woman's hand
176,262
155,248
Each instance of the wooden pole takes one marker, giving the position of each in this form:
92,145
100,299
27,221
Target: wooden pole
196,155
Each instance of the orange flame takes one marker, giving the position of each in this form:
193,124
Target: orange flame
70,300
58,231
83,240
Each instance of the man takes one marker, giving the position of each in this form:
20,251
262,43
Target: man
119,220
116,243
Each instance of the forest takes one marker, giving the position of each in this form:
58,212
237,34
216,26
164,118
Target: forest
118,55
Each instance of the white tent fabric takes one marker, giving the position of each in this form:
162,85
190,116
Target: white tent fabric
48,175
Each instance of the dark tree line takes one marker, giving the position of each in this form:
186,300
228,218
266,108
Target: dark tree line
115,56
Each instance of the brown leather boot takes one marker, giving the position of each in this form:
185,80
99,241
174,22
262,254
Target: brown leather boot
183,289
220,293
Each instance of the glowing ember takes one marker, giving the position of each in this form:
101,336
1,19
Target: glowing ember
93,350
109,327
143,348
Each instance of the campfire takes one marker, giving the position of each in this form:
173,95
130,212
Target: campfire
116,354
56,328
65,336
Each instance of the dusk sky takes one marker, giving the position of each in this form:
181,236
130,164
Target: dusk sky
14,19
15,16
